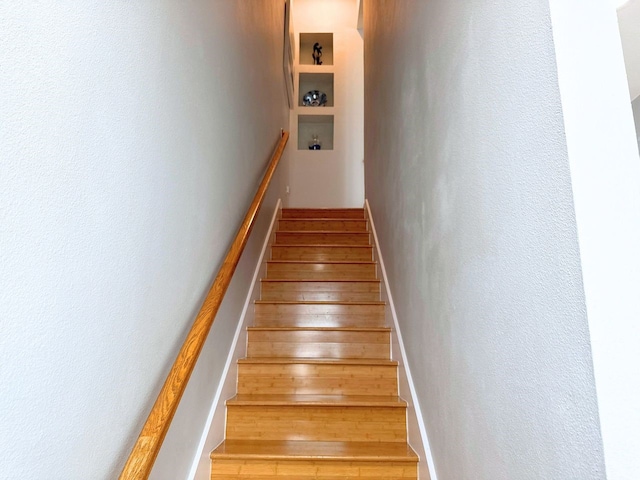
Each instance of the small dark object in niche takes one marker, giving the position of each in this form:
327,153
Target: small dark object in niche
317,53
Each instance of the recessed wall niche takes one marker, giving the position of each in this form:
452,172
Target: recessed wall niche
308,40
316,81
315,125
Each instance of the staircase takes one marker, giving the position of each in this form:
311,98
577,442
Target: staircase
317,394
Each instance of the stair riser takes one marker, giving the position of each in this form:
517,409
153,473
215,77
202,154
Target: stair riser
318,344
318,296
302,238
311,320
309,379
302,315
321,271
322,254
322,225
317,350
357,213
316,423
311,470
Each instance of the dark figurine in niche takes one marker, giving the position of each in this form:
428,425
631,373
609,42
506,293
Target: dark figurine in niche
317,53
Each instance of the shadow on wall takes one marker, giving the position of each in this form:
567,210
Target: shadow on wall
636,117
629,23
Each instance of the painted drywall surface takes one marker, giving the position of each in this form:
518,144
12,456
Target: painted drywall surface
214,431
416,432
629,24
468,179
332,178
133,138
181,448
635,105
605,180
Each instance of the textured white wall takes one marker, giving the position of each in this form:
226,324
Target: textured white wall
605,180
133,136
333,178
629,24
468,179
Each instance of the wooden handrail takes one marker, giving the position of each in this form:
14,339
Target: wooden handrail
146,448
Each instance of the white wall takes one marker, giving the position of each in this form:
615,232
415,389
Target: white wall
133,137
468,178
629,24
605,180
332,178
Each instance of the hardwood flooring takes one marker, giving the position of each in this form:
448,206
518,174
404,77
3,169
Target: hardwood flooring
317,393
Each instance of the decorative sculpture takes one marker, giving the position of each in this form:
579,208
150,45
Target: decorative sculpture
317,53
314,98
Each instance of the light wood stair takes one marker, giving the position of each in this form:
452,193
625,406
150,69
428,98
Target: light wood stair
317,393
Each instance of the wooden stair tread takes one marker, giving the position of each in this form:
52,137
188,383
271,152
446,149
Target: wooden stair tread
308,450
323,209
309,237
315,224
320,245
327,269
313,302
318,400
320,290
357,213
316,262
321,280
337,232
318,329
334,221
323,219
317,361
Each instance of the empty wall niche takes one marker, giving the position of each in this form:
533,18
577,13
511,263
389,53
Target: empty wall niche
322,82
308,40
320,126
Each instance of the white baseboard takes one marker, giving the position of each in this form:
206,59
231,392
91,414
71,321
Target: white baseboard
417,433
213,434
